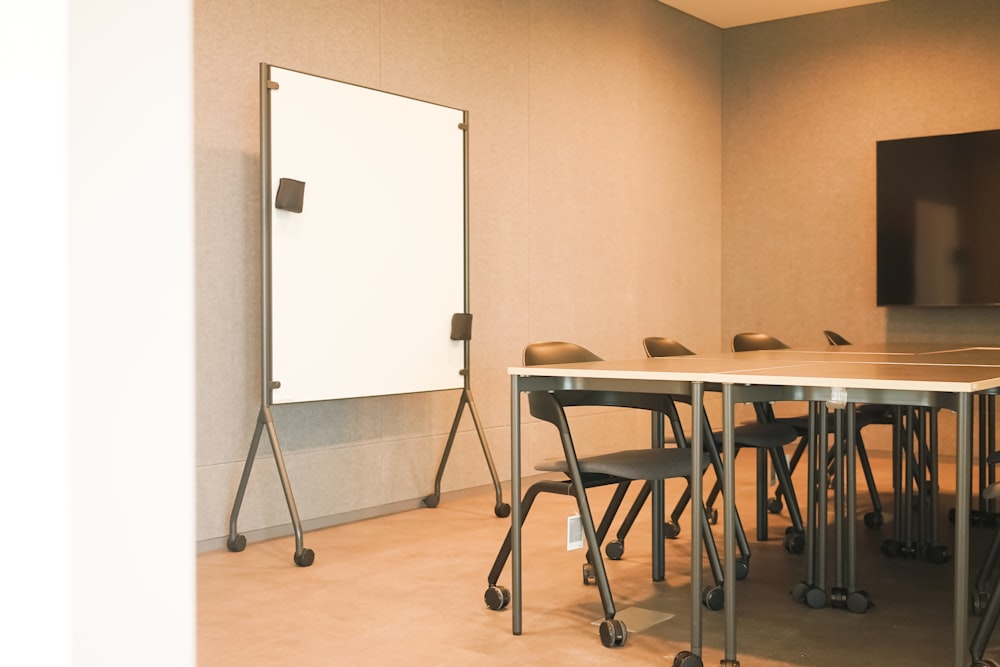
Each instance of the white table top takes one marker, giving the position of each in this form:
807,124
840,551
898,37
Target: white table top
924,367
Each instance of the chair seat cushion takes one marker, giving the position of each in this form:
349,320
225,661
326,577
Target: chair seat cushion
645,464
864,415
761,435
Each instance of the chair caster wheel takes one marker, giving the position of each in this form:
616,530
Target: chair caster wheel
496,597
979,601
742,569
687,659
502,510
305,559
713,597
892,548
432,500
613,633
615,549
795,542
774,505
985,662
671,529
588,574
237,543
713,516
873,519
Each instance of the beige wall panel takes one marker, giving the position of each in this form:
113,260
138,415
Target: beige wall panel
624,179
805,100
594,179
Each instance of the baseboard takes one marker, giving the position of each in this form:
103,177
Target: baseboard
284,530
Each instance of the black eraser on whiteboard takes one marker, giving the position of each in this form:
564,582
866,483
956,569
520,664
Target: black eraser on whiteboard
461,326
290,195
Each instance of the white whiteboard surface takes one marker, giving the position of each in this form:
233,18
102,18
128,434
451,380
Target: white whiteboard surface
365,279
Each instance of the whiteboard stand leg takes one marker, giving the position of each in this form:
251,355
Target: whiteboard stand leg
501,509
236,542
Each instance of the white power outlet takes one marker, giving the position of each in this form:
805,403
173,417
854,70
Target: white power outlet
574,533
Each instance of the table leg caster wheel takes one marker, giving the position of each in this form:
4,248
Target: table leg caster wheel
588,574
799,591
774,505
615,549
859,602
713,597
304,559
613,633
671,529
502,510
687,659
873,519
237,543
432,500
496,597
713,515
815,598
742,569
838,597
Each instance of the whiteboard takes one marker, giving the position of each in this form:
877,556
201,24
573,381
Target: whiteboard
365,279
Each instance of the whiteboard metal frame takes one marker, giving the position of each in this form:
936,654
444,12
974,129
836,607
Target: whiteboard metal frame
265,421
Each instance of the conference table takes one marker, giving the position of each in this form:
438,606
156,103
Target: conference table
921,374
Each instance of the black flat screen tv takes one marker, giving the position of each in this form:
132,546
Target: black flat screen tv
938,220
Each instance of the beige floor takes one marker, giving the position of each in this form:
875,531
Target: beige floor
408,590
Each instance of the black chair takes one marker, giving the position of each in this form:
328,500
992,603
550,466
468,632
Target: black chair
867,414
618,468
711,596
834,338
986,595
762,436
745,342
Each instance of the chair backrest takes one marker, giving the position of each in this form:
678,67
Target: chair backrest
834,338
556,352
657,346
547,405
743,342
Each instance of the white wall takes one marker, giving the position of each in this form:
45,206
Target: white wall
35,495
96,180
